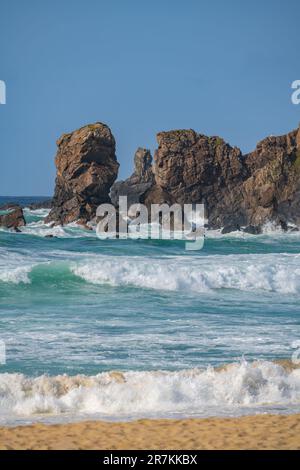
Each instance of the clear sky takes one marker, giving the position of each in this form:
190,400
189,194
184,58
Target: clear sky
220,67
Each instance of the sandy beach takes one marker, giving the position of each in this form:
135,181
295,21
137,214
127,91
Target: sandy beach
251,432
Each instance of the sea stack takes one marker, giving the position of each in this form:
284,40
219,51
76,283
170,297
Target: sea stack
87,166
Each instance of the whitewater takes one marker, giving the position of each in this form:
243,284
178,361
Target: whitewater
123,329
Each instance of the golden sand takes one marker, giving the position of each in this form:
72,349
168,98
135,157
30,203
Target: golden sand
251,432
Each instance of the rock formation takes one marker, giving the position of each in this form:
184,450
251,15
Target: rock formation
272,189
237,190
138,183
87,167
14,218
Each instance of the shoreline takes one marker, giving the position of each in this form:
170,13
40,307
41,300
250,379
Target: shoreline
264,432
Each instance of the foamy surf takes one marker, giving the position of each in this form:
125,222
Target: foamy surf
238,389
275,272
271,273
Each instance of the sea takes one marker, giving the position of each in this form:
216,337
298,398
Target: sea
125,329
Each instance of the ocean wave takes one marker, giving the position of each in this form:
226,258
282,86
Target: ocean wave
233,390
202,274
16,275
272,273
42,212
15,267
40,229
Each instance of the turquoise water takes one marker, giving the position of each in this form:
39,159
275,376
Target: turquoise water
73,304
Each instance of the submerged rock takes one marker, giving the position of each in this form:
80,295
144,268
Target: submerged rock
87,167
46,204
253,229
230,228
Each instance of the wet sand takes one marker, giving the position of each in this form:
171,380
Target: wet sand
251,432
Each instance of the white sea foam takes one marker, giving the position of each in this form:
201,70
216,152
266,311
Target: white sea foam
240,388
16,275
36,212
272,273
40,229
15,267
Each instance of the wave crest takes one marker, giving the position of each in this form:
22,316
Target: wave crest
272,273
235,389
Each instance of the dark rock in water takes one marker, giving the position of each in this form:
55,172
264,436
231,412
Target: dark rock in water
253,229
231,228
87,167
9,206
14,219
293,229
50,236
47,204
283,225
138,183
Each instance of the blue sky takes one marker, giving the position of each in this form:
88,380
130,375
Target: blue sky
221,67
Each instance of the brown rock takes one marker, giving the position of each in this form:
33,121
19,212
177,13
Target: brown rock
86,169
193,168
13,219
237,190
272,191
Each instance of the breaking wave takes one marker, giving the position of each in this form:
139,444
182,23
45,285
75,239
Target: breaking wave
236,389
270,273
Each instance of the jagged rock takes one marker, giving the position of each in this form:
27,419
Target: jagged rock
253,229
231,228
13,219
272,190
86,169
236,189
47,204
138,183
193,168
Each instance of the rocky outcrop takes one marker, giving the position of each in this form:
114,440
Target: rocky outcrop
191,168
87,167
272,189
46,204
240,192
237,190
138,183
13,219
